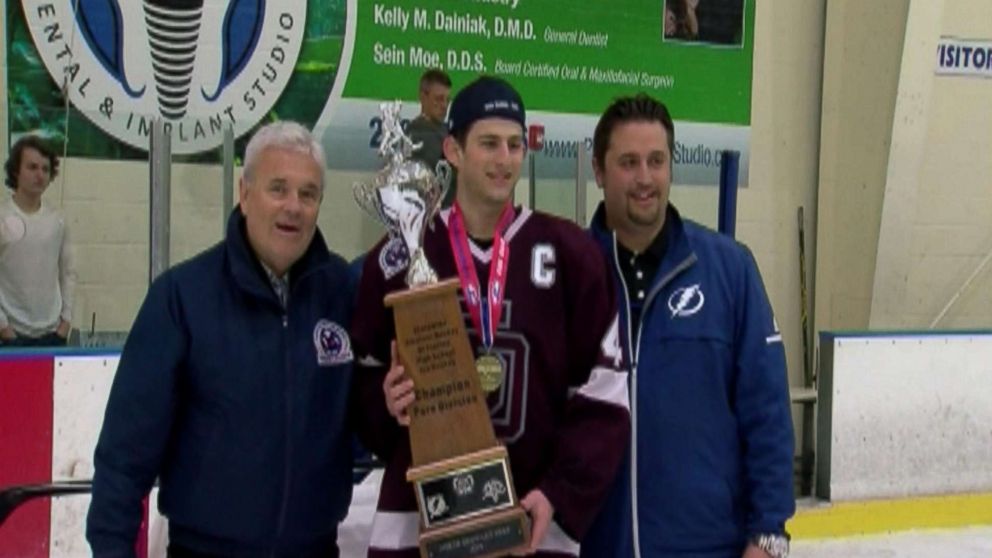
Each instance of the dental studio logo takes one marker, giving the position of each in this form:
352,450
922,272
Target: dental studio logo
200,65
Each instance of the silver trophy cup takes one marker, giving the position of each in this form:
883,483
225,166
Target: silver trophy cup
404,195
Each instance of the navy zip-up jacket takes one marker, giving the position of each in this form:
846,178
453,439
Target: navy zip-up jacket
238,406
712,429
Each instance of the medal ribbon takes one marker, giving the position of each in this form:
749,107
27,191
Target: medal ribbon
484,310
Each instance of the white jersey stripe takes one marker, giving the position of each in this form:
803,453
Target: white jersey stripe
608,385
394,530
485,255
369,360
557,541
399,530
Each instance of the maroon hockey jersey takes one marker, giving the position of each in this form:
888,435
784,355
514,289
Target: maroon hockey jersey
562,409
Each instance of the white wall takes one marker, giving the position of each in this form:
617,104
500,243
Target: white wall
785,134
905,180
936,226
106,206
860,76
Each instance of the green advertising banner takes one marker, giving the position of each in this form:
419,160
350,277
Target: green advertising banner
209,65
571,57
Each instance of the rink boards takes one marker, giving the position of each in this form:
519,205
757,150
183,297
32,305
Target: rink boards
904,440
51,409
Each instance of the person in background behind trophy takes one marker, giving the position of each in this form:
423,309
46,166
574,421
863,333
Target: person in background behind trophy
548,349
429,128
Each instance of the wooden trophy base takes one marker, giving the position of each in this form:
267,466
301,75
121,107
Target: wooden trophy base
497,534
449,416
469,508
461,474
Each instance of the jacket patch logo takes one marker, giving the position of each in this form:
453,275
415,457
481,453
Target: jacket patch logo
393,258
332,344
686,301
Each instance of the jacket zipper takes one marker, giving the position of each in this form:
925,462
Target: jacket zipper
283,508
634,352
289,407
633,401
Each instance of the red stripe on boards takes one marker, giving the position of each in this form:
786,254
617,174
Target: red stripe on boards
26,450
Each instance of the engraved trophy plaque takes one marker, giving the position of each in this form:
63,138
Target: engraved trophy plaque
461,473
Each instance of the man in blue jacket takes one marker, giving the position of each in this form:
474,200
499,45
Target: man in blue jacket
709,468
232,388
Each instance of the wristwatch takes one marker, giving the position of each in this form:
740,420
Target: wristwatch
775,545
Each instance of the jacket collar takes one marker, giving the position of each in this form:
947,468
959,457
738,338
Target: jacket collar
246,268
678,247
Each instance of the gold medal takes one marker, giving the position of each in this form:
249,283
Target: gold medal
490,371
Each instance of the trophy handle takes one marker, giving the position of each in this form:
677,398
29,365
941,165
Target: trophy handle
361,198
444,176
368,200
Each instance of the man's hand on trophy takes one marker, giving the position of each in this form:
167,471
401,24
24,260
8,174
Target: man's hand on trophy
398,389
536,504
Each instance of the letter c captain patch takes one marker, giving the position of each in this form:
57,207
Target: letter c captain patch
332,344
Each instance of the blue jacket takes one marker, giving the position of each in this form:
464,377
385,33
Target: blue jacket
239,408
712,427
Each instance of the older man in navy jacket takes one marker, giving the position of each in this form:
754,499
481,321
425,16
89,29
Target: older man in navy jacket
232,388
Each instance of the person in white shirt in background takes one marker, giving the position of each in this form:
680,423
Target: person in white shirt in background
37,274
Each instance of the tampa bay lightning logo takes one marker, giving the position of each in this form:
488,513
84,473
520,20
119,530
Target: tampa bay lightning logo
332,344
686,301
393,258
200,65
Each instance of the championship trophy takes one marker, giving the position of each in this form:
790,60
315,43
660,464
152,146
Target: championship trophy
461,473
